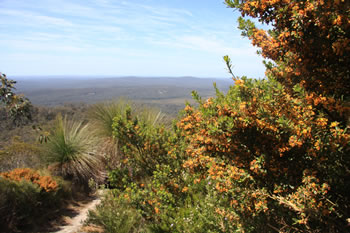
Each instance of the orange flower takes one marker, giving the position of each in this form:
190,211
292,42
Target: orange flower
334,124
46,183
156,210
239,82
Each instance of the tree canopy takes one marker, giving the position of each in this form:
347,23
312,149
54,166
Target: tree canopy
17,106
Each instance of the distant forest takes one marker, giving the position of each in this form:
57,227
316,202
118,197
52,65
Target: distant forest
169,94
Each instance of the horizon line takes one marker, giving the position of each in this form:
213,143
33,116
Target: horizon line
113,76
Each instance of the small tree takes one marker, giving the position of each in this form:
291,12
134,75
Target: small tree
17,106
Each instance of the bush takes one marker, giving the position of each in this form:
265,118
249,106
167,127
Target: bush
19,154
115,216
228,165
277,159
45,183
17,106
270,155
28,199
142,140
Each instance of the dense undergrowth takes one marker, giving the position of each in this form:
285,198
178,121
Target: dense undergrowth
269,155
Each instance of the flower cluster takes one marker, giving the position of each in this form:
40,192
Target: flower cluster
46,183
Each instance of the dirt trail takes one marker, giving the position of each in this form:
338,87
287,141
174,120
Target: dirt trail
75,223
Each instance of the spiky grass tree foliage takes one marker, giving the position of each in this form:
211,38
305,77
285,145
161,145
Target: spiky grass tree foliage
71,149
101,116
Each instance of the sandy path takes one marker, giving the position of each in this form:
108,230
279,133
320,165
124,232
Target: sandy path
75,224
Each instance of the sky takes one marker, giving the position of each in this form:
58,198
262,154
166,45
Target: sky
123,37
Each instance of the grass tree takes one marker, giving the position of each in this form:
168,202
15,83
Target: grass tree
72,150
102,116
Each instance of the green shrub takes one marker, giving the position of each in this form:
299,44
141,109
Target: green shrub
28,199
17,106
116,216
19,154
142,141
198,212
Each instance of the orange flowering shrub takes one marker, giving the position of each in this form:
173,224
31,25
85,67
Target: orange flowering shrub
260,147
46,183
29,199
269,155
263,157
309,42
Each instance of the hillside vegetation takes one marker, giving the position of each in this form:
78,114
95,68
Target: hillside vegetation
268,155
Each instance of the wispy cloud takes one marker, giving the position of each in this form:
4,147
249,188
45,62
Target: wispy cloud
205,44
135,31
33,19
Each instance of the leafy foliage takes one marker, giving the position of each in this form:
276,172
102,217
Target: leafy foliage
273,156
269,155
115,216
17,106
309,45
141,141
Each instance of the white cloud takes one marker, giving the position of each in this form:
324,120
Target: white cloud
28,17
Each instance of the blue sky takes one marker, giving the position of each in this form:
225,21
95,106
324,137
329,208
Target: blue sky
118,38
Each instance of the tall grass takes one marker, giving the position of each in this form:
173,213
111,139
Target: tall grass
71,150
